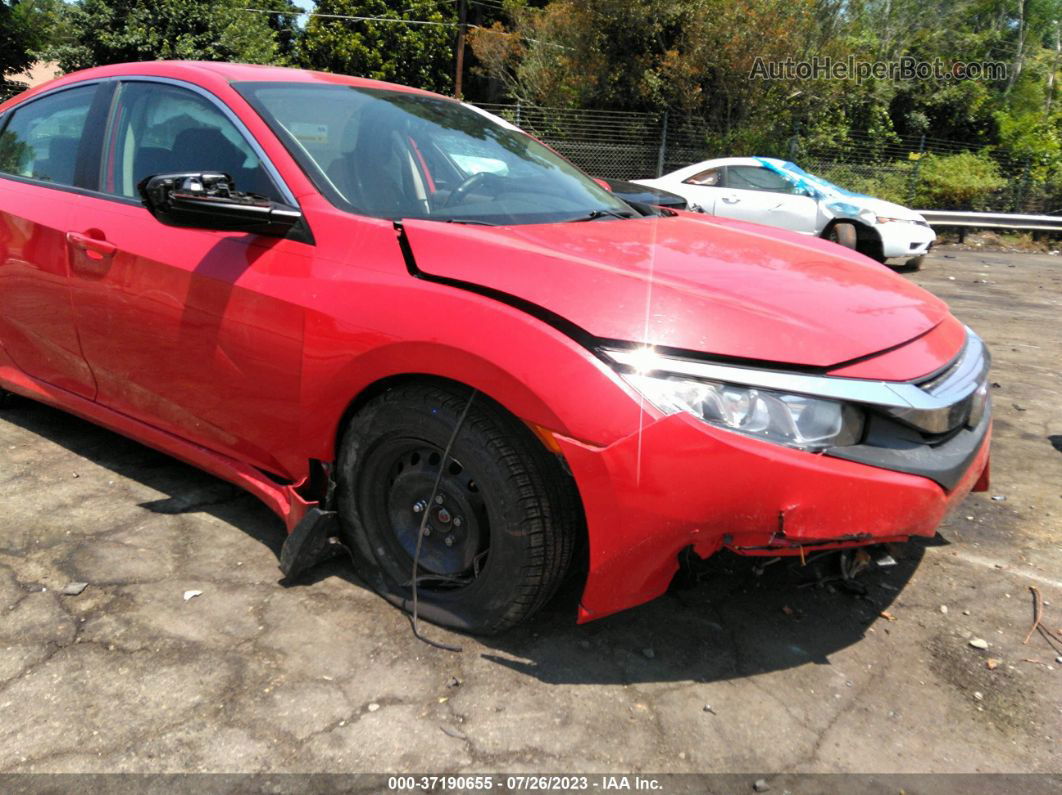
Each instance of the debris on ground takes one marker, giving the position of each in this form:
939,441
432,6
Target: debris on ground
373,707
450,731
860,561
979,695
992,663
708,708
1038,612
887,615
758,570
944,609
74,588
453,682
761,785
979,643
1000,497
192,595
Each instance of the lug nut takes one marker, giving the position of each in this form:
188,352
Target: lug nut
439,499
458,521
419,506
449,540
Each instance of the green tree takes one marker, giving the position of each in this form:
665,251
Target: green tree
419,55
964,181
115,31
25,27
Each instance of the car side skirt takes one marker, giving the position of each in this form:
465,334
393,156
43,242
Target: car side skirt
282,499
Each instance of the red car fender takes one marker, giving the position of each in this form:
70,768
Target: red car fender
562,387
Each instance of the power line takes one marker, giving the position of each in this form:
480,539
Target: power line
355,18
408,22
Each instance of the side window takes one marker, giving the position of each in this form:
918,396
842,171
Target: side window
757,178
41,138
164,129
712,178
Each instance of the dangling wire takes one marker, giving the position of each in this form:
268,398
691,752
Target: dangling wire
424,523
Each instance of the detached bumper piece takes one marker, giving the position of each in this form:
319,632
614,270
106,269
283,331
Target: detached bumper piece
310,543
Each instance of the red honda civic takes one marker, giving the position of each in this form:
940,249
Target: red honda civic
391,317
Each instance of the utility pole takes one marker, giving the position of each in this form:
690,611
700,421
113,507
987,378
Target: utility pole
462,23
1051,74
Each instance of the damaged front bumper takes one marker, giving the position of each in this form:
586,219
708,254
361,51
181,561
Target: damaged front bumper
905,238
681,483
684,482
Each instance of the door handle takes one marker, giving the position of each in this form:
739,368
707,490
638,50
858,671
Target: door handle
91,255
731,199
101,248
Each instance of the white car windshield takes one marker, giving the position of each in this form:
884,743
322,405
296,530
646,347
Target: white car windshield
399,154
796,174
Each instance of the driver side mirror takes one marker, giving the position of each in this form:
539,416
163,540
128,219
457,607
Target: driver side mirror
209,200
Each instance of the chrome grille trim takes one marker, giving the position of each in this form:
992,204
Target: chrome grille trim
936,405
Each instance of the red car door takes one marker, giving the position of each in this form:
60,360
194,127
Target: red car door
46,154
190,330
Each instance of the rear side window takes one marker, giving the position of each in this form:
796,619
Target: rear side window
164,129
41,138
756,178
712,178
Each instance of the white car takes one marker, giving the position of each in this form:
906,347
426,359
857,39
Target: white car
766,190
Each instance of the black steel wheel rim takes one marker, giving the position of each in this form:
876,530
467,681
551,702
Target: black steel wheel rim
456,540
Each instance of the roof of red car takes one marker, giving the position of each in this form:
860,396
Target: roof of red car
210,72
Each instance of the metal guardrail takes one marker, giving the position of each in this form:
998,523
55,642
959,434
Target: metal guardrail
1050,223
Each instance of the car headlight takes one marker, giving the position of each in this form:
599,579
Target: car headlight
881,219
800,421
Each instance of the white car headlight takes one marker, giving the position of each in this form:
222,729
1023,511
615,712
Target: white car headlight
800,421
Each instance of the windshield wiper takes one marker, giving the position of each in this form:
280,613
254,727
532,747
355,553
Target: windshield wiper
651,209
465,221
593,215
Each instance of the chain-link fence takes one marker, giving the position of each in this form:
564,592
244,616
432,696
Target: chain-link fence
919,170
613,144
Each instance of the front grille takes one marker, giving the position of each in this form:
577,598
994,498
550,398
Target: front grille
960,392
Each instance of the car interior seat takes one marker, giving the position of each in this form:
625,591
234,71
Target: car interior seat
376,176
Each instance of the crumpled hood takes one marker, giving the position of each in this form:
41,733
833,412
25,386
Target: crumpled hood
691,282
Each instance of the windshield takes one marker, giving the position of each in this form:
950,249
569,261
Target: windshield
395,154
814,180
